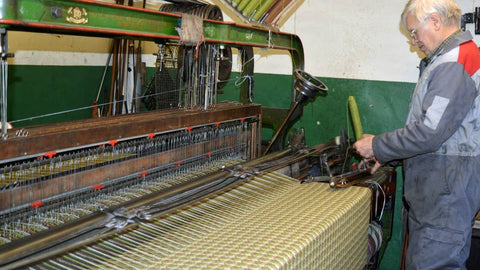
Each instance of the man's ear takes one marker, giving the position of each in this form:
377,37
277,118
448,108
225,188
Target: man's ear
437,22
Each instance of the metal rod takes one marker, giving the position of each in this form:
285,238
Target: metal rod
104,74
3,77
282,126
3,70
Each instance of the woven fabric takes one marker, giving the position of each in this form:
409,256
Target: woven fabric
308,226
269,222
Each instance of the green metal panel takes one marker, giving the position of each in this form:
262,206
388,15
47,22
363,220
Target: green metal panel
85,17
91,18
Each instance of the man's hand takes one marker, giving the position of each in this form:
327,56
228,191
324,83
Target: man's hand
364,146
375,167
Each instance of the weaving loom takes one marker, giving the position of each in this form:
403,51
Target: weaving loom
178,187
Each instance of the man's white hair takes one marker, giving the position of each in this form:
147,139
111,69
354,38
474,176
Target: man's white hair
448,10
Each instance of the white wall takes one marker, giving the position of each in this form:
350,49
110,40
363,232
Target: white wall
355,39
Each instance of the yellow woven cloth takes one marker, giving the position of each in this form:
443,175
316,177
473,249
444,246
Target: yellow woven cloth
308,226
269,222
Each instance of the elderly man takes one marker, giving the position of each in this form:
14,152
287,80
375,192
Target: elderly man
440,142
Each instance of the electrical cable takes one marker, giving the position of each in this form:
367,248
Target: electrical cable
384,195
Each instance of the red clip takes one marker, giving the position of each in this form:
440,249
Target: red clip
113,142
142,174
231,148
98,186
217,124
242,119
50,154
178,163
209,154
151,135
36,204
189,128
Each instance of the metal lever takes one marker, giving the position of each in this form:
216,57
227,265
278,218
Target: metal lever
350,178
308,88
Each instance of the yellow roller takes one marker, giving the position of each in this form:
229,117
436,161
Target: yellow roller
262,8
242,4
236,2
357,124
250,8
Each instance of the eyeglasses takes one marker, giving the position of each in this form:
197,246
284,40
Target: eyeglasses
413,32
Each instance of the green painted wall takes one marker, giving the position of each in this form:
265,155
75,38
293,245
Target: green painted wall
383,105
38,90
